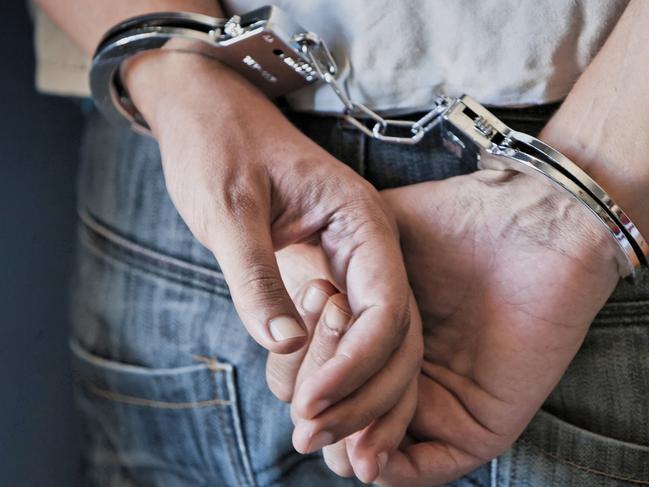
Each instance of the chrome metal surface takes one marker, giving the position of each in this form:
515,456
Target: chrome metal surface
259,45
563,163
279,56
265,46
356,113
474,129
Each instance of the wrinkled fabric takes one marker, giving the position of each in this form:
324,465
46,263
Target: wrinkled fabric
397,56
171,389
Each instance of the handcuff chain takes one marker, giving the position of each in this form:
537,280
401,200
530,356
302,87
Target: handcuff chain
356,113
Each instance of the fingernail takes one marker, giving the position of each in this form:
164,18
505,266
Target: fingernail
335,318
285,327
314,300
381,461
319,440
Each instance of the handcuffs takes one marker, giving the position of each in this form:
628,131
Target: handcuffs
279,56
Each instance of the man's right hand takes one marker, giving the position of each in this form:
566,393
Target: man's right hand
248,183
509,272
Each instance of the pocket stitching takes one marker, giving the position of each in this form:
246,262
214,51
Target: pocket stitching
585,468
211,365
140,401
146,259
239,452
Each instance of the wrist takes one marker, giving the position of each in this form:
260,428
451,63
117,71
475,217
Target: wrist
607,155
185,96
185,89
163,84
542,215
185,92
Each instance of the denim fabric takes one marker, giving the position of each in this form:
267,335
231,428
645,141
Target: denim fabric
172,390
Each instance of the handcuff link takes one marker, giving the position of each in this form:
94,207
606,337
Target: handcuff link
277,55
357,113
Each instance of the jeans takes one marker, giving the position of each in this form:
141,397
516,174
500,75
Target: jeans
171,389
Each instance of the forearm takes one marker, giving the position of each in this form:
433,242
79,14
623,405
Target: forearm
603,125
86,22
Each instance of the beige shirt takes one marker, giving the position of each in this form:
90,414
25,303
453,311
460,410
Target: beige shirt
397,56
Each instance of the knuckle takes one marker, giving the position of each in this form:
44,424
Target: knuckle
237,200
324,344
238,189
361,211
491,445
354,197
262,282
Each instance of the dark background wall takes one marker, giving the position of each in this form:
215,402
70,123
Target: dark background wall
39,138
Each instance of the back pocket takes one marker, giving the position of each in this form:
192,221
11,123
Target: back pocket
594,427
552,452
142,426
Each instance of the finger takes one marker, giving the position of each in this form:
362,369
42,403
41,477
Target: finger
365,255
371,401
370,449
425,464
336,458
437,400
346,371
436,461
332,325
333,322
244,249
282,370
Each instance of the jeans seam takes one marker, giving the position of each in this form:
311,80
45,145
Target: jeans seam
585,468
236,419
93,224
151,403
513,462
632,312
150,261
243,477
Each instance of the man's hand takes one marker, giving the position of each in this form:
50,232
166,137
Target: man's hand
374,418
248,184
508,273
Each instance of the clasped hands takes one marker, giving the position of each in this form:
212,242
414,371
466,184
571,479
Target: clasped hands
414,331
507,272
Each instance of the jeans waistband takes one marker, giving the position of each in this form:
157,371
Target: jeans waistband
527,119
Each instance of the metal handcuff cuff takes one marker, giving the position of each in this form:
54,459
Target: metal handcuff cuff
278,56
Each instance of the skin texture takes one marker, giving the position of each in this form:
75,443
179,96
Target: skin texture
508,276
300,264
517,274
508,273
248,184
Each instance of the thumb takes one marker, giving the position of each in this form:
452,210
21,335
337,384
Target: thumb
244,249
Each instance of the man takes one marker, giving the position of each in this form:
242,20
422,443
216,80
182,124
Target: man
508,273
